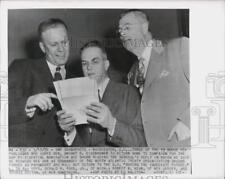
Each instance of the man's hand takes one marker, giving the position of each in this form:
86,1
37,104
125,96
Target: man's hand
66,121
99,113
181,130
41,100
30,111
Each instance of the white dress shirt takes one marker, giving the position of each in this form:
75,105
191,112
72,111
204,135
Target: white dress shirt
52,68
101,87
146,54
144,59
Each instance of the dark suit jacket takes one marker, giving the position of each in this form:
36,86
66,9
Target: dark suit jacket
124,103
166,92
26,78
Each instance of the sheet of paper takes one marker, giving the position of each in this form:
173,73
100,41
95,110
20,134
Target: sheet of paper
75,94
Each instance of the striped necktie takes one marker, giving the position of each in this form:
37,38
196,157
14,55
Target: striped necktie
140,79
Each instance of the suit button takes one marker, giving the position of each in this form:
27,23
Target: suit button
43,133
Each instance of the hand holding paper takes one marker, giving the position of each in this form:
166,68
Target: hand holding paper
75,94
66,121
99,113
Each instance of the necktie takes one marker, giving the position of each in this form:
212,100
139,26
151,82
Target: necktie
140,74
57,75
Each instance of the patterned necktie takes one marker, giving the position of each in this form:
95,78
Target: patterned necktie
57,75
140,80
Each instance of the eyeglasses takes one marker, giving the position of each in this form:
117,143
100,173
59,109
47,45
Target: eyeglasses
126,28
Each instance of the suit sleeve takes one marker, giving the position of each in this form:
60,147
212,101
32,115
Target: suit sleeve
78,141
17,75
130,132
185,115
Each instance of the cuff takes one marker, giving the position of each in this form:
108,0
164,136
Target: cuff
30,111
70,136
112,128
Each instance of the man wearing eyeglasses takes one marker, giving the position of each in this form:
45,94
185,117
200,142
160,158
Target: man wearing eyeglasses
32,99
162,76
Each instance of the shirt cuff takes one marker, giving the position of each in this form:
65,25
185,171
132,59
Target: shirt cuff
112,129
70,136
30,111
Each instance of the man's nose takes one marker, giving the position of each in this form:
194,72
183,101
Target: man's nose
60,47
89,67
121,33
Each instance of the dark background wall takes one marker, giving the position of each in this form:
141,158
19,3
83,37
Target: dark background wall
85,25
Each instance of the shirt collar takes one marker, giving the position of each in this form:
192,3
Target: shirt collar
146,54
52,68
103,86
147,51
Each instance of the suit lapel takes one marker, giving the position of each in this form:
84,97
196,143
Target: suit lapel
47,76
47,79
105,96
154,65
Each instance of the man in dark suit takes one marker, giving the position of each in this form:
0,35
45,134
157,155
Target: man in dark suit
162,76
32,103
113,121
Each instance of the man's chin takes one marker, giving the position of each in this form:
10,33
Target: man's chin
92,77
128,45
61,62
96,79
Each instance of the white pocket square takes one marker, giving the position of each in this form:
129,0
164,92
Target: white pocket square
164,73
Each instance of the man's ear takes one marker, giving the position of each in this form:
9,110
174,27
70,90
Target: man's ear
41,45
107,64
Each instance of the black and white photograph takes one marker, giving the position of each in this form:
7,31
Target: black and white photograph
139,61
98,90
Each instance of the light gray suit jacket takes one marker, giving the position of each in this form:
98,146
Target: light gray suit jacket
166,97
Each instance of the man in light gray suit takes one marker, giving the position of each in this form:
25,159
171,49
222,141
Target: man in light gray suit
162,77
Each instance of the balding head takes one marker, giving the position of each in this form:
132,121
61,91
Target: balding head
134,30
139,14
